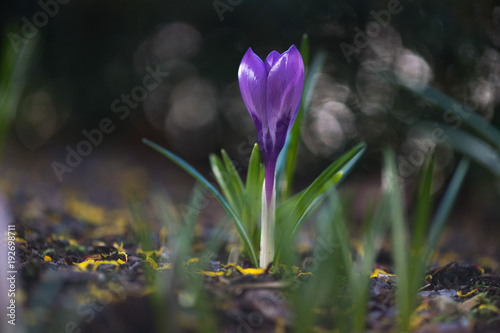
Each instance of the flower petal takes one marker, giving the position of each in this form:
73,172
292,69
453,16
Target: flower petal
271,60
285,83
252,77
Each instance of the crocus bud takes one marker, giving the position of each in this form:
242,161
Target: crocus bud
272,92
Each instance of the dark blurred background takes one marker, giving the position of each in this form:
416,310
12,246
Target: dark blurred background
92,54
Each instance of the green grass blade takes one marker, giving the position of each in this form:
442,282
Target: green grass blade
324,288
291,215
245,238
311,205
14,71
236,183
404,297
445,206
253,195
448,104
285,208
359,281
223,178
476,150
165,209
304,51
337,266
470,146
417,262
423,207
325,180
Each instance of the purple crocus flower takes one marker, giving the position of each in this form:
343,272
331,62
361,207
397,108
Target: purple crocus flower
272,93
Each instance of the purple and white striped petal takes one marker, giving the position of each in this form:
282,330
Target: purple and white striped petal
252,77
285,82
272,92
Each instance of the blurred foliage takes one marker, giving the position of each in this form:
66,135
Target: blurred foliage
14,70
94,53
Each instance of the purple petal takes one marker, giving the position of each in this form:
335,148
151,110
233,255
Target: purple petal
252,77
271,59
284,92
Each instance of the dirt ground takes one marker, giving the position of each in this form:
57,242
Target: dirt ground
80,265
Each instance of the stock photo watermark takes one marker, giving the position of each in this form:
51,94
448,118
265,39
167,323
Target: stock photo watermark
382,19
31,27
121,107
222,7
11,274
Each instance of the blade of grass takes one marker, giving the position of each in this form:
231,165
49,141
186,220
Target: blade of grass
448,104
416,260
14,70
399,240
253,194
324,290
223,178
236,182
311,205
445,206
470,146
181,281
303,204
359,278
325,180
140,227
245,238
338,263
423,207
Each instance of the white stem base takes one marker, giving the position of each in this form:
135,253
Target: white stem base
267,227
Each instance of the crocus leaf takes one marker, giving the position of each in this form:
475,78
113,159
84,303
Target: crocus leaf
224,180
15,66
253,194
470,146
448,104
325,180
292,213
423,206
392,190
236,182
245,238
445,206
304,50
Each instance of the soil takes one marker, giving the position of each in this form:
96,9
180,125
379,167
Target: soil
81,267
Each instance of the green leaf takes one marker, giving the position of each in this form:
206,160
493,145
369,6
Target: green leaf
223,178
253,194
373,236
423,206
311,205
325,180
304,51
236,183
291,214
448,104
470,146
245,238
15,66
392,189
445,206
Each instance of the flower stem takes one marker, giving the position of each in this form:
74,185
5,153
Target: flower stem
267,223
